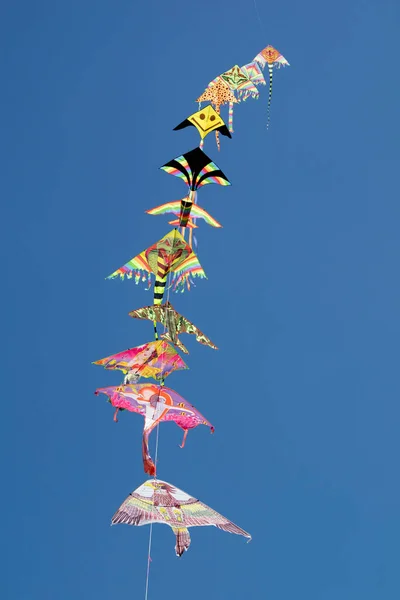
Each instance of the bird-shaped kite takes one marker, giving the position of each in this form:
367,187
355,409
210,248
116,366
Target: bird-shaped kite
171,254
217,94
273,58
157,501
157,404
156,359
174,323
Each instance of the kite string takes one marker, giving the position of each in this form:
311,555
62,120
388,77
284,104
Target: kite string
151,524
146,593
259,18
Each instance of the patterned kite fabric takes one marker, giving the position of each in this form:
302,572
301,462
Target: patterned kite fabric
157,501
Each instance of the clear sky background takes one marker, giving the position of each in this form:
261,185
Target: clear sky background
302,298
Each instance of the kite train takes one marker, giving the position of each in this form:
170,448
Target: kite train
172,265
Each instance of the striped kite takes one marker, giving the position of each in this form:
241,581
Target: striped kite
171,254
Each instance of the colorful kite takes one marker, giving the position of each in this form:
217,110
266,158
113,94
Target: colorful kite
184,209
157,501
156,359
238,81
254,73
157,404
205,120
171,254
271,57
217,94
174,323
196,169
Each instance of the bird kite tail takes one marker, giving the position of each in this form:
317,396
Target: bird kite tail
182,539
159,287
184,438
148,464
230,117
270,69
181,346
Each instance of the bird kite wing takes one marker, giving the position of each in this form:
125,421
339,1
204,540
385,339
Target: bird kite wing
174,323
157,501
186,326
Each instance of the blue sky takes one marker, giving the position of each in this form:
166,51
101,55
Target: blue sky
302,298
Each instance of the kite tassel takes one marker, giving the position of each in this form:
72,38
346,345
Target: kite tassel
184,439
217,140
230,117
115,415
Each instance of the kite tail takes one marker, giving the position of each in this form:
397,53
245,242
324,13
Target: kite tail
182,540
217,140
270,69
148,464
201,144
115,415
159,287
230,117
186,207
155,329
